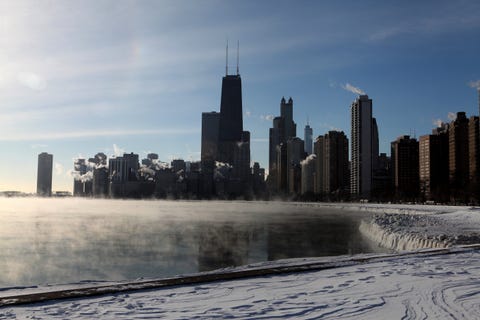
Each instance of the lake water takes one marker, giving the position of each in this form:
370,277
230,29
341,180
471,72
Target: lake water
70,240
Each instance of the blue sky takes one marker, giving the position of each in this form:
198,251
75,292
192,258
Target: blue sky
81,77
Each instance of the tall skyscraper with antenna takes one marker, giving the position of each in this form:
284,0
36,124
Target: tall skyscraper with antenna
231,115
308,136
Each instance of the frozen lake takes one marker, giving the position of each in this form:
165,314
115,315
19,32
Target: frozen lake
71,240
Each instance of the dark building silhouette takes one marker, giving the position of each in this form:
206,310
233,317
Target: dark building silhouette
281,168
283,130
433,156
124,176
319,151
332,168
286,112
295,154
375,147
44,174
78,184
337,175
210,133
100,183
382,179
458,157
231,118
276,137
474,158
405,161
241,159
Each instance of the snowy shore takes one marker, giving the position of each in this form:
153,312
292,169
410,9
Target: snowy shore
438,284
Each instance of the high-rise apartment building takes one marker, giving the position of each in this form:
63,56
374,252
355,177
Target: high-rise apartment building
433,165
308,136
361,147
336,173
44,174
405,163
332,166
458,157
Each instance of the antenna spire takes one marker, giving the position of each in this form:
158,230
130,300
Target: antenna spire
238,56
226,60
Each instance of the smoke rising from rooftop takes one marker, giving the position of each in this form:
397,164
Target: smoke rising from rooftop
353,89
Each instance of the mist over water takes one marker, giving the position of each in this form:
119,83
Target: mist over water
51,241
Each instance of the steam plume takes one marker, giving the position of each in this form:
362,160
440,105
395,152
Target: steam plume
452,116
309,159
475,84
352,89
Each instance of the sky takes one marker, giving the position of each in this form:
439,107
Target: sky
81,77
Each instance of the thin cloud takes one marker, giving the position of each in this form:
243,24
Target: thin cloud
353,89
32,80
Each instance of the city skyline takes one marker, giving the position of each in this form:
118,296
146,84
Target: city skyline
77,79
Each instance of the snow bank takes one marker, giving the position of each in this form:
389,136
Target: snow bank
444,285
396,240
412,229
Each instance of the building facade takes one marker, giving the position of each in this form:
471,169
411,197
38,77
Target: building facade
44,174
361,147
405,162
458,144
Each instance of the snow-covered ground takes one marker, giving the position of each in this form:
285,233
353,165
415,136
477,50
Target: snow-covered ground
425,285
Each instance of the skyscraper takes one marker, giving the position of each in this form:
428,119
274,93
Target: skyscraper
308,135
286,112
433,165
283,129
231,118
361,135
44,174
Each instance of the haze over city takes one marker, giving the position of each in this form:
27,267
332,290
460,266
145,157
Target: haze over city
77,78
